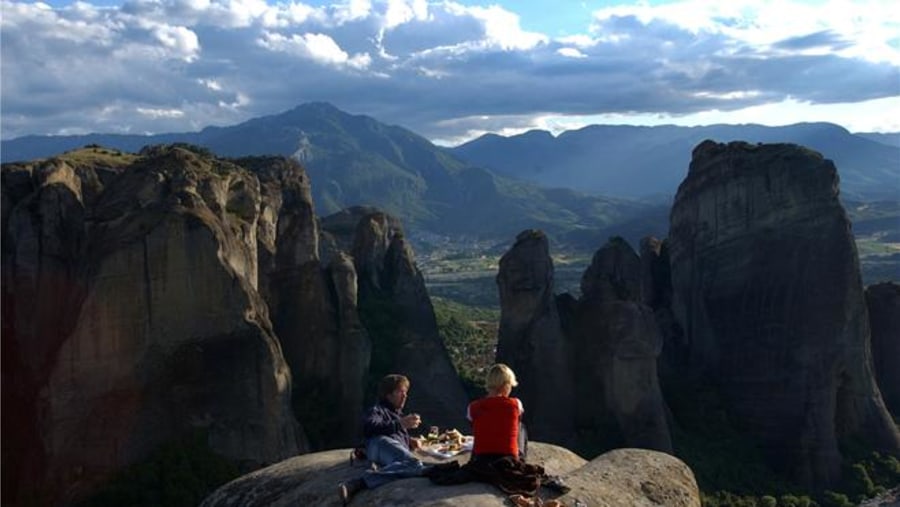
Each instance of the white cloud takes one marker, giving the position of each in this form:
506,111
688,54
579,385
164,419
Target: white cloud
212,84
160,113
179,40
403,11
353,10
291,14
571,53
315,46
80,24
501,27
871,26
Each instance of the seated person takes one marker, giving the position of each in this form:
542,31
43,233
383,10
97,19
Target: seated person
496,417
387,441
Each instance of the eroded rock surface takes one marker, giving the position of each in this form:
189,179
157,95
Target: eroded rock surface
883,301
621,478
132,315
393,293
767,285
618,343
531,340
600,350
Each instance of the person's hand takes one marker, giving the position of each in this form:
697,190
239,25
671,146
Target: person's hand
414,443
411,421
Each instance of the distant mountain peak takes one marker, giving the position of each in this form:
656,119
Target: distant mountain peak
318,107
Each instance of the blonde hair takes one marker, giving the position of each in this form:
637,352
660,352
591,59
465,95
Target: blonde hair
498,376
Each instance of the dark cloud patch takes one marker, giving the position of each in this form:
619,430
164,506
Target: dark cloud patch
443,30
823,39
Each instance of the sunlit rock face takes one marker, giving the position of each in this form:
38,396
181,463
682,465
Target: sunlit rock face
767,289
883,301
131,315
620,478
313,305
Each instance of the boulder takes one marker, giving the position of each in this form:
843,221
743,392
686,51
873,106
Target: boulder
620,478
767,286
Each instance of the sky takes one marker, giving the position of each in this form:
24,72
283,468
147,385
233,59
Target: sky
448,70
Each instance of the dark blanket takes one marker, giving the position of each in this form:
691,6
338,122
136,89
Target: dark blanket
512,476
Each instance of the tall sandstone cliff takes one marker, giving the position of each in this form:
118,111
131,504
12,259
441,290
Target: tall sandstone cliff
587,366
395,305
767,289
131,315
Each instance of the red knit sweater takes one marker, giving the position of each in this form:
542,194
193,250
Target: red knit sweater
495,425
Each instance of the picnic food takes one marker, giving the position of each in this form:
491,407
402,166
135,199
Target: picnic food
454,436
451,439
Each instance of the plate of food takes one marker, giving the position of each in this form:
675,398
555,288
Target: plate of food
445,444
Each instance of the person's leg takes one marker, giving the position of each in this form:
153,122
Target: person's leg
523,441
385,450
396,462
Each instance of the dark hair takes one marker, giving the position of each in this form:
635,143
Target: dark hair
390,383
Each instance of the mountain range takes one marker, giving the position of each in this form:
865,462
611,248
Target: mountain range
617,180
633,161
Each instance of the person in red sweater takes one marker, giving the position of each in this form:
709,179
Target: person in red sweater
496,417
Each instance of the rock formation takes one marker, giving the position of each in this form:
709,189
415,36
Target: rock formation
147,296
600,350
618,343
767,287
130,296
531,340
396,304
314,307
656,292
358,314
883,301
621,478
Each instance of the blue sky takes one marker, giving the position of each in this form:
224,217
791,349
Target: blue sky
561,17
449,70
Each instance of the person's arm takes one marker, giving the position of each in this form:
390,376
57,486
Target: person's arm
378,421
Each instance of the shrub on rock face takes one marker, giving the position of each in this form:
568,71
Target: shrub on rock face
832,499
179,474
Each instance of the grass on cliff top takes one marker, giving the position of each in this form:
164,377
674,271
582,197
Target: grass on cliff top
98,155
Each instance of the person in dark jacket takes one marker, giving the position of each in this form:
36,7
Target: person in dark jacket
387,441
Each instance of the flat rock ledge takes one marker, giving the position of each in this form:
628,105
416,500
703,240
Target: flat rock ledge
619,478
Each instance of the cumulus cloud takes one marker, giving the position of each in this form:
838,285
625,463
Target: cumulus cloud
443,69
316,47
571,52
